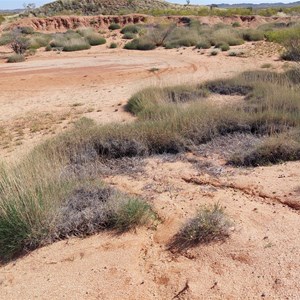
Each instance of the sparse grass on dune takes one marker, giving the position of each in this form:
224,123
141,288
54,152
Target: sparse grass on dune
173,119
40,203
274,150
39,197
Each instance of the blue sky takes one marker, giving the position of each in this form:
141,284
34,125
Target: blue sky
11,4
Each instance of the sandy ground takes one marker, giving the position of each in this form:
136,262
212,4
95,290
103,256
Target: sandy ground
261,260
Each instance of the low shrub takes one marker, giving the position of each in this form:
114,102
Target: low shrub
39,40
26,30
182,42
114,26
273,151
89,210
210,224
19,44
223,46
253,35
2,19
6,38
129,36
95,39
69,41
226,35
85,31
139,102
236,24
48,48
76,45
133,29
214,53
282,36
232,53
292,47
179,37
203,45
140,44
113,45
16,58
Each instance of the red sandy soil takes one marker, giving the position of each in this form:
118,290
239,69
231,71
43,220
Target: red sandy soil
261,259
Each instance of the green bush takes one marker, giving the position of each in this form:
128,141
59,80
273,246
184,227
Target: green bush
39,40
203,45
76,45
15,58
70,41
95,39
292,51
140,44
283,35
184,42
253,35
114,26
6,38
129,36
133,29
26,30
214,52
236,24
2,19
48,48
179,37
113,45
226,35
223,46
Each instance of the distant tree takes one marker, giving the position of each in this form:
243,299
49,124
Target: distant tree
29,6
188,2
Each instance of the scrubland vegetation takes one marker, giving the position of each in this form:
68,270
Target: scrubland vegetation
167,35
2,19
202,36
193,34
221,12
53,194
24,40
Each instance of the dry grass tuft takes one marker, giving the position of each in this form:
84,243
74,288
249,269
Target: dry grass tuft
209,225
